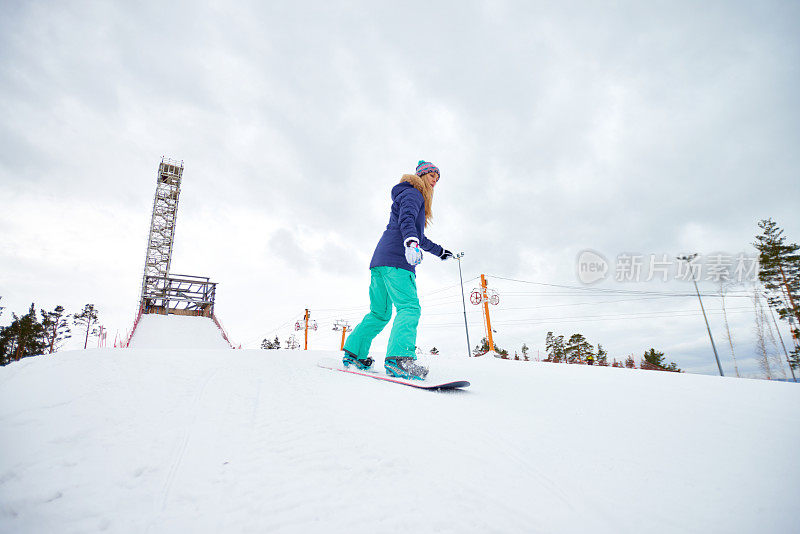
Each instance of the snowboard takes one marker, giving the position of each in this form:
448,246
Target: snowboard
337,365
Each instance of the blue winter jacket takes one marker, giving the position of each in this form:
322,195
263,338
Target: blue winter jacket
407,219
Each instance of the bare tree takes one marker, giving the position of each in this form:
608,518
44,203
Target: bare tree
55,328
723,288
785,351
767,359
87,318
775,356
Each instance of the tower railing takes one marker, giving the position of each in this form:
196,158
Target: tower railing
180,294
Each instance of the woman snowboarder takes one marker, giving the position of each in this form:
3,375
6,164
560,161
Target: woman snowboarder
393,278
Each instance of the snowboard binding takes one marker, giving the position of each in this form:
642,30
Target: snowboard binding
405,367
351,359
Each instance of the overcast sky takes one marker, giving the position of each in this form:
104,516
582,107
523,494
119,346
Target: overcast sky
634,128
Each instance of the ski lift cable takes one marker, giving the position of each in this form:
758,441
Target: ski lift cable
340,311
646,315
565,305
622,292
454,286
269,332
593,317
570,304
559,320
659,314
599,290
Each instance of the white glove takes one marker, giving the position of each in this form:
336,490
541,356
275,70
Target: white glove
413,252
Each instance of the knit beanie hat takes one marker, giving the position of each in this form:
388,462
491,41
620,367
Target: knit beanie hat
424,167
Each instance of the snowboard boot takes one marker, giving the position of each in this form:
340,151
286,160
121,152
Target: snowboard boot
362,364
405,367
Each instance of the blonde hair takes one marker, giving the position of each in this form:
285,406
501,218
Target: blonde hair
425,188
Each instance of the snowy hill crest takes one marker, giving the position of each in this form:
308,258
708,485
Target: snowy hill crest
180,440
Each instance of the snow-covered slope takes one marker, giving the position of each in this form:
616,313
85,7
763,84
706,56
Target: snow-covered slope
135,440
177,332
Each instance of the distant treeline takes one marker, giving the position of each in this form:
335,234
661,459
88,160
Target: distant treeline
577,350
45,333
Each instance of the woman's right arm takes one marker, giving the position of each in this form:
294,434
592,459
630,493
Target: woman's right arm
409,202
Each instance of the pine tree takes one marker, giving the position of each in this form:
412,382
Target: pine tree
578,349
88,319
22,338
655,360
554,345
481,348
630,363
30,342
6,344
560,351
267,344
779,270
654,357
524,351
55,328
5,355
602,356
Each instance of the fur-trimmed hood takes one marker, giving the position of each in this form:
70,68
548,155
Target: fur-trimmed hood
416,181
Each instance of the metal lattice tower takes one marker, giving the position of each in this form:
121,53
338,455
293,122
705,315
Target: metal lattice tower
163,292
162,228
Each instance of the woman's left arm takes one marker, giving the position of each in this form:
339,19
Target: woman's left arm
429,246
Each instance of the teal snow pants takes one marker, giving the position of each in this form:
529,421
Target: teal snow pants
389,285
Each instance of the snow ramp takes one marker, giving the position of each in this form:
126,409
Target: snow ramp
177,332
